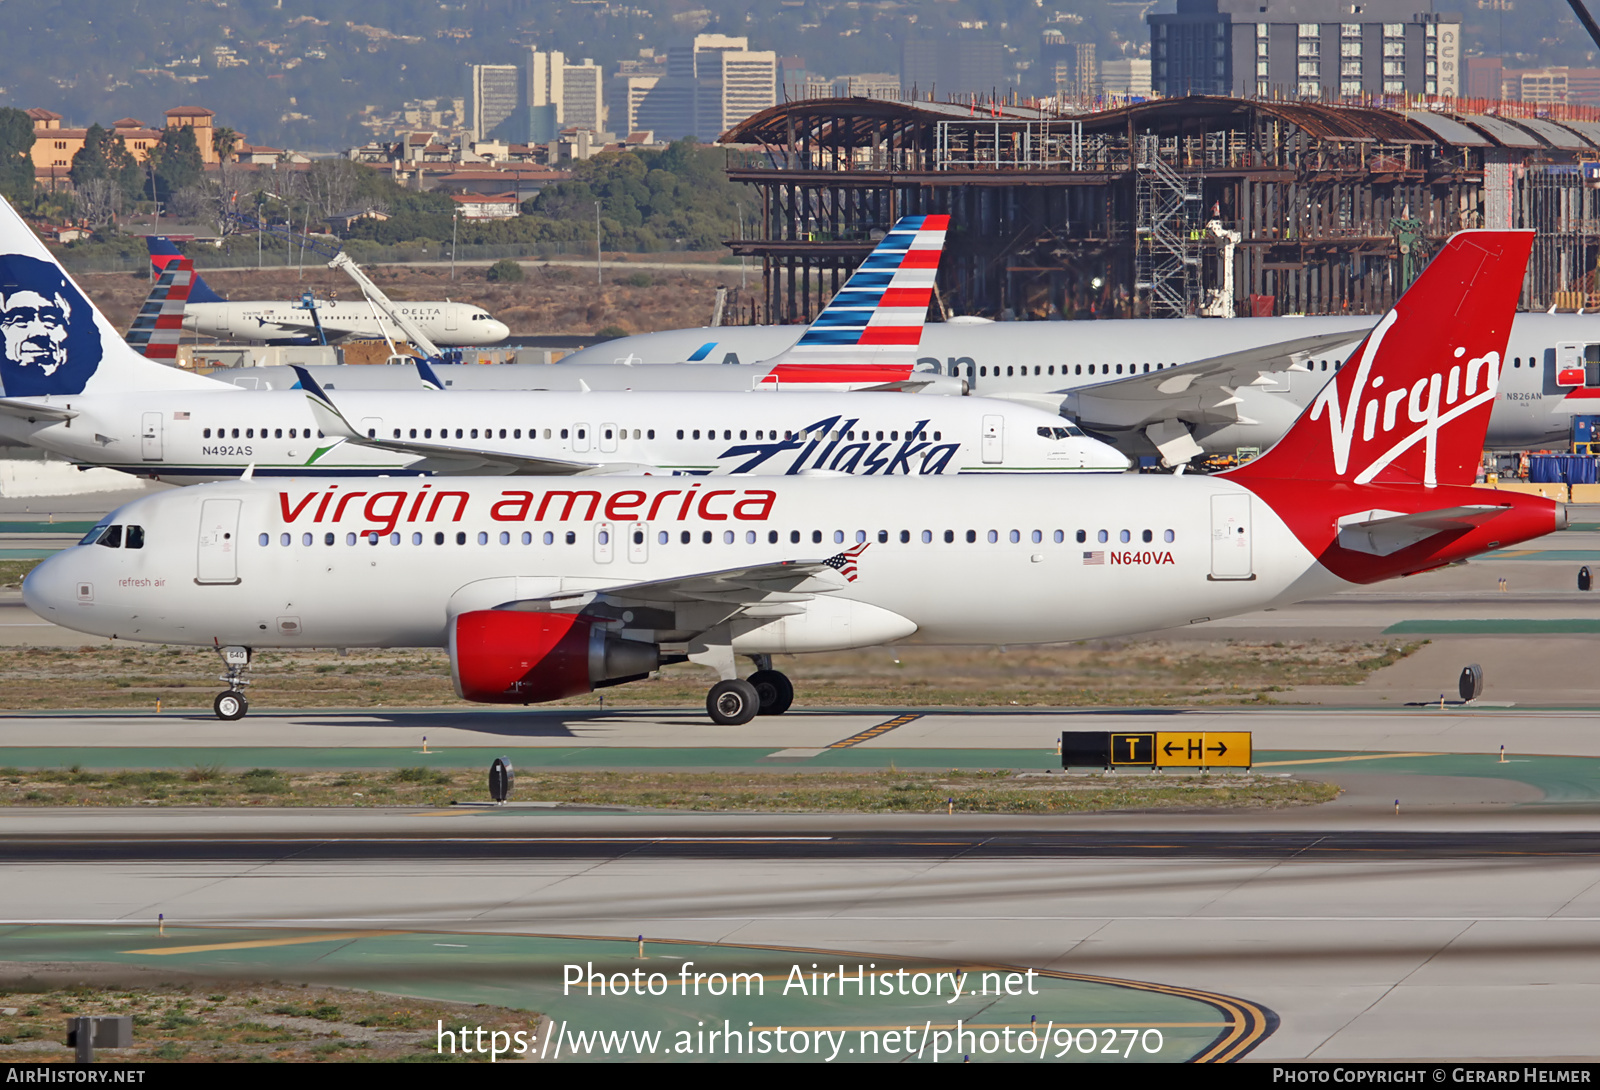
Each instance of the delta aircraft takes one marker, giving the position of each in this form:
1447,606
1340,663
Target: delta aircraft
269,321
86,396
545,592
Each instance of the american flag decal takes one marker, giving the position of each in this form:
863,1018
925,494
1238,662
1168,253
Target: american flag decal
845,563
1096,557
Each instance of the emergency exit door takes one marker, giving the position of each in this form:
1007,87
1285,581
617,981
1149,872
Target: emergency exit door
150,443
994,440
1230,537
218,558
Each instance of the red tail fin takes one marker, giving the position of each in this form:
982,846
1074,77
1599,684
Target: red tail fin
1411,404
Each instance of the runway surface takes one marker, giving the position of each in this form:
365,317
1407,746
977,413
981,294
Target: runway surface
1467,925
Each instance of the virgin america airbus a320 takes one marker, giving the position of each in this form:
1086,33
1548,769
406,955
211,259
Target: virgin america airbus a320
546,592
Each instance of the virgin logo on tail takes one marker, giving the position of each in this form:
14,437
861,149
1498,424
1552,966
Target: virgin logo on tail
1411,406
1430,402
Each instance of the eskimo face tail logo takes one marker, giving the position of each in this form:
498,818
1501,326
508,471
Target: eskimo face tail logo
1430,403
49,343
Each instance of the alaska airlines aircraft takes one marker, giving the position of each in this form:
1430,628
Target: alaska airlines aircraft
541,593
272,322
133,414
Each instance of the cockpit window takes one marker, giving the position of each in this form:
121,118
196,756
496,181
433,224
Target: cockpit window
1060,433
93,535
134,538
112,538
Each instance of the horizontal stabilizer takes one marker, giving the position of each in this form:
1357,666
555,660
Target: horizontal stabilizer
32,411
1382,533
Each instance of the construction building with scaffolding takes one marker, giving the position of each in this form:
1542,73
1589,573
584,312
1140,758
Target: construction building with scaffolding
1200,205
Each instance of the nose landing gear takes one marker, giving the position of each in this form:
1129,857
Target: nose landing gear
232,704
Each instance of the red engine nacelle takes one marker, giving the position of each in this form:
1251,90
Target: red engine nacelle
509,657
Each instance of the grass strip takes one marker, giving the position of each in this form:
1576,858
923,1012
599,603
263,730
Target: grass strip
868,791
1094,673
215,1022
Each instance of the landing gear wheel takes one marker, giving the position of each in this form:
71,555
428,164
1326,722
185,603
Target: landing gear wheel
732,703
230,706
775,690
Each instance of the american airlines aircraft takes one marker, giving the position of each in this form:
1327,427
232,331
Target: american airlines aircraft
1239,383
542,592
272,322
134,414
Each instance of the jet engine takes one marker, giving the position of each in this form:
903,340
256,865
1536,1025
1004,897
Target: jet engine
509,657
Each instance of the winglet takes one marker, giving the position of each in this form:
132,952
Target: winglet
329,418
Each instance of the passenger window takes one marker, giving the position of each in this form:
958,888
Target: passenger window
696,433
1077,369
549,538
135,538
306,539
1038,536
350,538
662,537
416,539
680,433
284,539
1081,537
206,434
1148,536
1124,536
572,537
461,537
1167,536
994,536
772,537
727,537
705,537
1102,537
794,537
651,434
816,537
505,538
236,433
838,537
972,536
949,536
927,536
883,536
1015,536
1059,537
438,539
327,539
263,540
905,537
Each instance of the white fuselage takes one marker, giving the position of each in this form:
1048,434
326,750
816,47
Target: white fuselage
206,434
1049,361
445,323
276,564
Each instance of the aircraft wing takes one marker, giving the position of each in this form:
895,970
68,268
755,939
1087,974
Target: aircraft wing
740,589
32,411
1381,533
1165,404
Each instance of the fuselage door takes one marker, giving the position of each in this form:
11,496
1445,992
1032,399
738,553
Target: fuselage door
371,426
218,560
608,438
450,315
150,437
994,440
580,438
603,542
1230,537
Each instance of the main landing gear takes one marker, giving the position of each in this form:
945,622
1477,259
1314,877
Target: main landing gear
232,704
735,702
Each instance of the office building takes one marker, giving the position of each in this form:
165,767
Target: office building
496,101
1306,48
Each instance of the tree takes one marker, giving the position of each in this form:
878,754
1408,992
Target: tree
16,159
176,162
223,141
504,271
104,173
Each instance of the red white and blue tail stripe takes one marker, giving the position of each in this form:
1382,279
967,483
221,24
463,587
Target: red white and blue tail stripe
159,323
885,302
